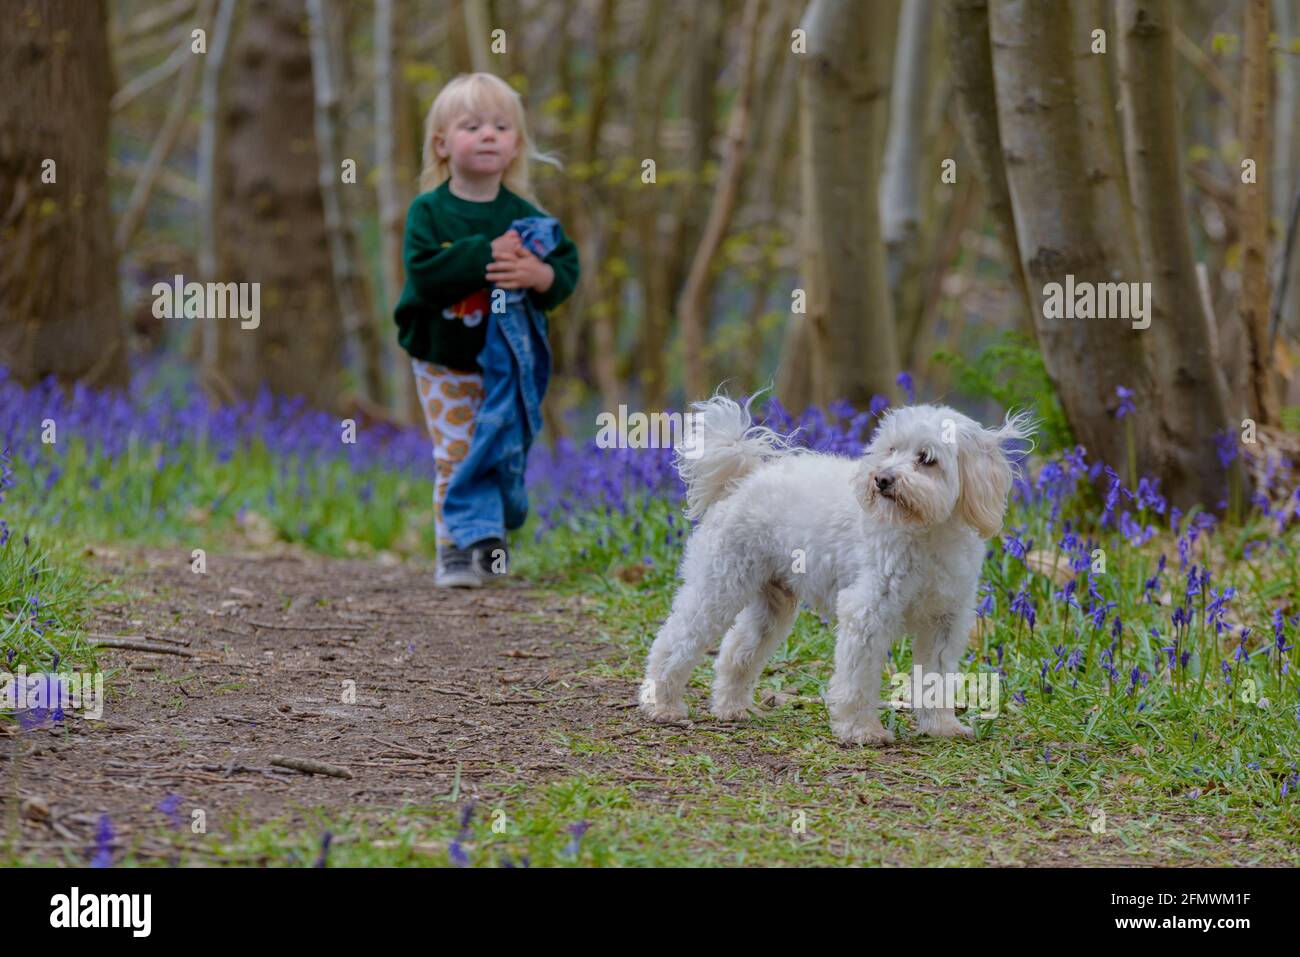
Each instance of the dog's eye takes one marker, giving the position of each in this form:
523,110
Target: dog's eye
926,457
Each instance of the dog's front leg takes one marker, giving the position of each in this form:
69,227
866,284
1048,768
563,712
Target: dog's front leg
863,635
938,650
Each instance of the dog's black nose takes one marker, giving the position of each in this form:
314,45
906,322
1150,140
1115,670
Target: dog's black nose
884,482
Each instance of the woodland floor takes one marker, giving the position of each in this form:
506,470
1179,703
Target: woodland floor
473,695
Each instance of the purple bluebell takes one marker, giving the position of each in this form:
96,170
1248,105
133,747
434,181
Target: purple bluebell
1125,402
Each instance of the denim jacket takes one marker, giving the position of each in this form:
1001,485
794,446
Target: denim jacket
486,494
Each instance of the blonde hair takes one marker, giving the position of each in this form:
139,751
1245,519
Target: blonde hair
477,93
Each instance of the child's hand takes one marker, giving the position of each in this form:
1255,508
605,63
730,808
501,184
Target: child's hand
507,246
523,271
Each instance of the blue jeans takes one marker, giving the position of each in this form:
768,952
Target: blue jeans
486,495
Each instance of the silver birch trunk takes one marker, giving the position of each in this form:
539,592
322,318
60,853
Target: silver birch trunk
1253,203
1190,399
970,58
354,300
394,178
694,303
209,107
849,323
905,173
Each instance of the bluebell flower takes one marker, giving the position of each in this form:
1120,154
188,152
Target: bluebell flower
1241,654
1279,633
170,806
575,831
324,849
1148,495
103,843
1023,605
1125,401
1225,446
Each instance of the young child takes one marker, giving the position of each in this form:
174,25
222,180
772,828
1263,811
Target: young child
458,244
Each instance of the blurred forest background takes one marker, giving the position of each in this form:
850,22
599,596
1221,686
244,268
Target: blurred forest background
844,192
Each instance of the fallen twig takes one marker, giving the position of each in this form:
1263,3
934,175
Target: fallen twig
410,751
229,769
135,644
233,717
340,627
171,641
310,766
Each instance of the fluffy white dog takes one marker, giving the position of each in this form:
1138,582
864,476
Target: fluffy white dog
887,544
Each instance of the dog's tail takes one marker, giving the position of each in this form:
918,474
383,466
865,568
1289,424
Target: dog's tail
723,446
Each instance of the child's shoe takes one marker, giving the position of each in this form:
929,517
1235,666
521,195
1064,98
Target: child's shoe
456,568
491,559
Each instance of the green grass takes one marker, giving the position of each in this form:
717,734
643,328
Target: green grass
328,507
45,598
1187,768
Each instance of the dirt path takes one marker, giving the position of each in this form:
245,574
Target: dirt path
444,680
466,696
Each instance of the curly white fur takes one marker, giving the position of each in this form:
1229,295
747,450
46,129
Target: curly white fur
887,544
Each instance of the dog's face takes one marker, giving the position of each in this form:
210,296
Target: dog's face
928,462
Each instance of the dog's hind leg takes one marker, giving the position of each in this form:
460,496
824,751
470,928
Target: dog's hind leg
757,633
701,611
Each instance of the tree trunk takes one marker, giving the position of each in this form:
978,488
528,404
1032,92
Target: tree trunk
1286,158
476,35
1060,223
393,157
655,71
905,168
694,303
593,315
702,59
270,219
59,311
1103,153
203,336
349,281
1253,205
794,370
1190,399
849,321
775,139
966,26
177,114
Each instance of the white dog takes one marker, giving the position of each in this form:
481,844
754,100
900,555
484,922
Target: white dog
887,544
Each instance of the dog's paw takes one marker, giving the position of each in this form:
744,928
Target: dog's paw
873,734
665,714
731,712
946,727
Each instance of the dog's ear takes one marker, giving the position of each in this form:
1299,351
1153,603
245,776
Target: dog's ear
985,473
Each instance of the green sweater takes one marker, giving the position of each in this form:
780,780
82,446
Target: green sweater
447,251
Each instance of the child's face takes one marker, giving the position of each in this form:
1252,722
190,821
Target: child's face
480,145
